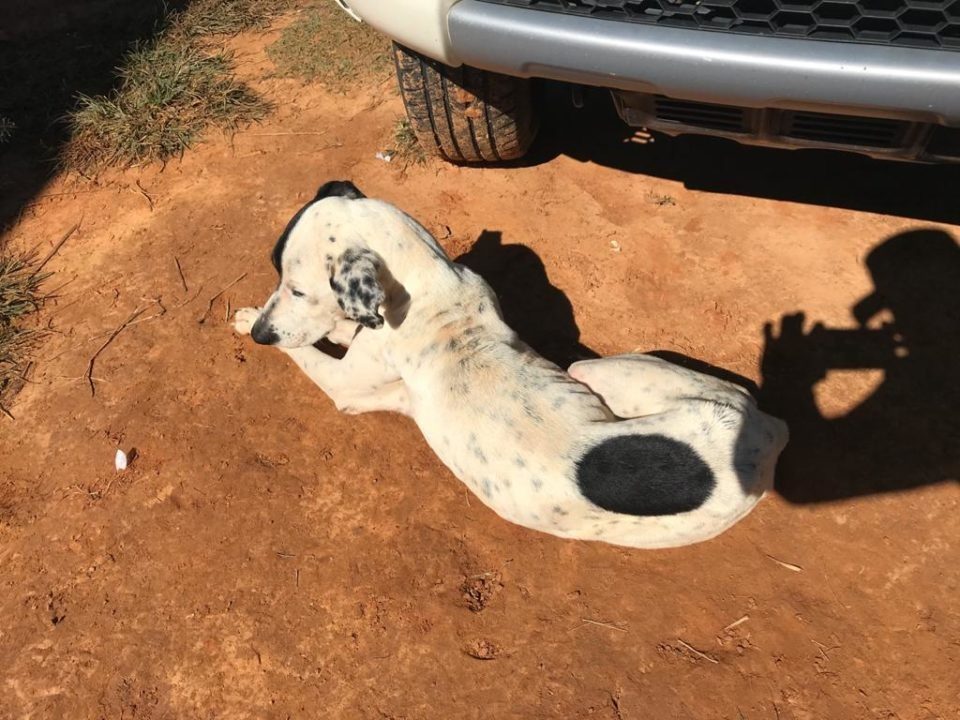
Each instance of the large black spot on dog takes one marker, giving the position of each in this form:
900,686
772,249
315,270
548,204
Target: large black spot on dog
644,475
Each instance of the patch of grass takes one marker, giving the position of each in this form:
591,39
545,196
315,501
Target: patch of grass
170,91
326,45
19,296
408,148
228,17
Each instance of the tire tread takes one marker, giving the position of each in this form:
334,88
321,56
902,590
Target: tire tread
464,114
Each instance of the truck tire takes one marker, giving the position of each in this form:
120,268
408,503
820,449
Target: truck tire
463,114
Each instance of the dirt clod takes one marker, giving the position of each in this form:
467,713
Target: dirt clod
483,650
479,590
57,608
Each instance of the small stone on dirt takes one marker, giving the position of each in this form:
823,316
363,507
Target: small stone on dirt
483,650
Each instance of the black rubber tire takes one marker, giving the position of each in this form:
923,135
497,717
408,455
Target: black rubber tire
463,114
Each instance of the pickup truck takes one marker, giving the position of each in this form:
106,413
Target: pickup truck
876,77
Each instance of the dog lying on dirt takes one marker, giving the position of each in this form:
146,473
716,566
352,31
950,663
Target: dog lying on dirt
629,450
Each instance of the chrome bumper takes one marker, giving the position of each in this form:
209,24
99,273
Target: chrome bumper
921,86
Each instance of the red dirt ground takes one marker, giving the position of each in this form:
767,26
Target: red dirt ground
266,557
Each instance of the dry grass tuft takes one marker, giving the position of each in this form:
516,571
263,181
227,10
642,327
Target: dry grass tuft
171,89
169,93
408,148
326,45
19,296
228,17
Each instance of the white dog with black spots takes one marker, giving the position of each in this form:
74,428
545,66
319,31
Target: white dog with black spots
630,450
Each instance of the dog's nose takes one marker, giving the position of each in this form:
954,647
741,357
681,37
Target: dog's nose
263,333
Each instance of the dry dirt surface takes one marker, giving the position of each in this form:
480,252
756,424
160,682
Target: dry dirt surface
265,557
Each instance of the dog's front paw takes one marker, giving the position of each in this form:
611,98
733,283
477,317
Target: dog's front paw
244,319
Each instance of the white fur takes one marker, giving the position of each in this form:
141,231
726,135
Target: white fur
508,423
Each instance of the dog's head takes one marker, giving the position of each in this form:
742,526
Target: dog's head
327,273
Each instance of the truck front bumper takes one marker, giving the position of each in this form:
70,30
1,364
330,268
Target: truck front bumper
912,95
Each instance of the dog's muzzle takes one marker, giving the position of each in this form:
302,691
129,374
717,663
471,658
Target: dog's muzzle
263,333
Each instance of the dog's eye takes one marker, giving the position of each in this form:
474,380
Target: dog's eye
296,293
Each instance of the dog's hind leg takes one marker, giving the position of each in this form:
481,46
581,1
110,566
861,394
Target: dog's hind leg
637,385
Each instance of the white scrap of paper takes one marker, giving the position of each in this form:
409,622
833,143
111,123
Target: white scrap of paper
120,461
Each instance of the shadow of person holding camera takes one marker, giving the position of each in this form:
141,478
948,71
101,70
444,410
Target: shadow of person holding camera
907,433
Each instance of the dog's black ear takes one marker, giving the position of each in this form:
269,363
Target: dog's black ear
334,188
277,254
356,281
339,188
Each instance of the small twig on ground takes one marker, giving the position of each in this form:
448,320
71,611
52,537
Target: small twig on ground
206,312
52,295
75,192
135,322
278,553
788,566
281,134
321,149
603,624
93,359
823,648
189,299
615,701
735,623
143,192
697,652
100,494
56,248
183,280
156,301
60,308
40,200
6,412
